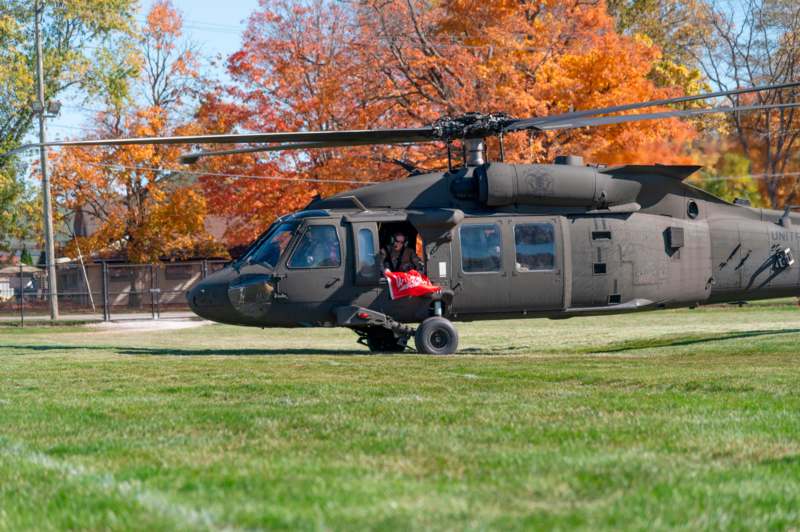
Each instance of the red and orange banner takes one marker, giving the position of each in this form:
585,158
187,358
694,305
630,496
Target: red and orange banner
409,284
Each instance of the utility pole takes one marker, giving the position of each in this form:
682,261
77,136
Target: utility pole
50,252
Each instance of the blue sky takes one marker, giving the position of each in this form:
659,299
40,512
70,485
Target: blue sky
216,27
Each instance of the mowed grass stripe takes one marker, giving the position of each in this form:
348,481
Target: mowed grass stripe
679,419
115,495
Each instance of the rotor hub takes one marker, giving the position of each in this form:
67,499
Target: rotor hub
470,126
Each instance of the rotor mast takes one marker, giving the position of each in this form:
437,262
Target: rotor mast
474,152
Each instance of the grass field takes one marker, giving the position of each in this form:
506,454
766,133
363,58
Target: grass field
676,419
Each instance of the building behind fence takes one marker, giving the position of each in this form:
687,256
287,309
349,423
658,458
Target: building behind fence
104,289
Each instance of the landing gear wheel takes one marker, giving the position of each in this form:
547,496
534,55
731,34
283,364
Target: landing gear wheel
380,340
436,336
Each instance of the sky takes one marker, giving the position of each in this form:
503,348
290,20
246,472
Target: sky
216,27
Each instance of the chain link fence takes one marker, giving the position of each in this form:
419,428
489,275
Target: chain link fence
102,291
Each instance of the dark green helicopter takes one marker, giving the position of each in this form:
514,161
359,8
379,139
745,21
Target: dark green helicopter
500,240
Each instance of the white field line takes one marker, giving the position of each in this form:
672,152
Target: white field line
154,501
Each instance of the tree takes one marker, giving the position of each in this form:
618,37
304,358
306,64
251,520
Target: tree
25,257
372,64
84,48
730,178
677,27
9,193
297,70
20,211
145,207
758,42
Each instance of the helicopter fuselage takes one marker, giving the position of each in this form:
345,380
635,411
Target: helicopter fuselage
510,241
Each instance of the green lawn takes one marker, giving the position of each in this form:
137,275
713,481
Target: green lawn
674,419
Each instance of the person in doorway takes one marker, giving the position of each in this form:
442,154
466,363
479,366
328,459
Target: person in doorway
398,256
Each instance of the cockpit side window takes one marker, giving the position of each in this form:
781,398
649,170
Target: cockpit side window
273,247
367,256
319,248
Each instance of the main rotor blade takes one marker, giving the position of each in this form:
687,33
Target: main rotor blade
535,123
471,125
609,120
343,138
193,157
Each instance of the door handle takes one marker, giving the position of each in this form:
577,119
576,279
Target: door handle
332,282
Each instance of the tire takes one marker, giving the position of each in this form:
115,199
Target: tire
381,340
436,336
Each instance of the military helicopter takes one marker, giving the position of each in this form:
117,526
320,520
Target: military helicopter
499,240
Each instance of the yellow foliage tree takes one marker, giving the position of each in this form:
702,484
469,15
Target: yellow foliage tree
145,208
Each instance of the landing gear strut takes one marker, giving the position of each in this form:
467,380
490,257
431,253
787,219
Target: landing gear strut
382,334
382,340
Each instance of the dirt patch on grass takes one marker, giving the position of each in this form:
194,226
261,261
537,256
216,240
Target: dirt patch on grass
148,325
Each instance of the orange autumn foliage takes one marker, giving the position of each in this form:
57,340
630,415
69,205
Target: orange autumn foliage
377,64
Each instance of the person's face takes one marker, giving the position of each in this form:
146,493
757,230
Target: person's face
399,242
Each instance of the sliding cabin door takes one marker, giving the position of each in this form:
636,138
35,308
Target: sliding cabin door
536,265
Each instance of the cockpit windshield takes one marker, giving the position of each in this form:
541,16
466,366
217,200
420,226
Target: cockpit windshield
270,250
263,248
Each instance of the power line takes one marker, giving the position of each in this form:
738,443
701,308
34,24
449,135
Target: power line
226,175
213,30
782,174
76,128
210,27
757,177
82,108
213,27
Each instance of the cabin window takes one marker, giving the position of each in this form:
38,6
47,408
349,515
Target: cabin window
366,252
319,248
481,248
535,247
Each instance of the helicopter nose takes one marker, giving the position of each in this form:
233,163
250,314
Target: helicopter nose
209,298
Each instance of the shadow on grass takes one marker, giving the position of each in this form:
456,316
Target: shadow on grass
618,347
783,461
168,351
671,341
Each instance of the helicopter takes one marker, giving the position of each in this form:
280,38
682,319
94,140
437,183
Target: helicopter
498,240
